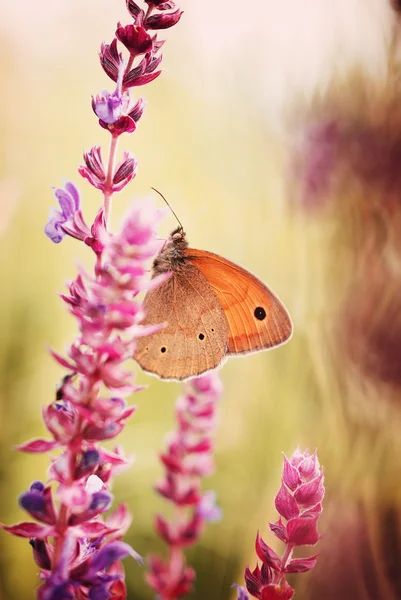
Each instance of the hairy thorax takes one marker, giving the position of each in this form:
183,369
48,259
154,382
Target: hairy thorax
171,257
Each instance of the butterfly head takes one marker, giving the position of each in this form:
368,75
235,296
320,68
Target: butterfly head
171,256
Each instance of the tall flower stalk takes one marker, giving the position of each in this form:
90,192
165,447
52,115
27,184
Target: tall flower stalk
77,550
187,459
299,503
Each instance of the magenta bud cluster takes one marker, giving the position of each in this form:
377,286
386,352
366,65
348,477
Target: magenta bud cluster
299,504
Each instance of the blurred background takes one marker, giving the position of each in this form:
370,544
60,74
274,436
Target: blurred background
275,133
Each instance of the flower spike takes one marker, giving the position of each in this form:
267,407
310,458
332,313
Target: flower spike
298,502
188,458
77,548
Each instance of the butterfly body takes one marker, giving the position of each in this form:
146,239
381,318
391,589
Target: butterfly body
212,308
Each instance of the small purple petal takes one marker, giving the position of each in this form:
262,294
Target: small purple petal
241,592
207,508
100,502
37,486
39,504
53,228
74,193
56,591
110,553
108,107
88,463
99,593
66,202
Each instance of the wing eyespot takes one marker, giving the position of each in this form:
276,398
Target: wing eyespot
201,336
163,349
260,313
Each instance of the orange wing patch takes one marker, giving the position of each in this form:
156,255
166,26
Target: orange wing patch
257,319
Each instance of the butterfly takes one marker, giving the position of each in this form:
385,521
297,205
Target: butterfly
212,309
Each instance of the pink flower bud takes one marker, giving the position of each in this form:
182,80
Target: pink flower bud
61,419
110,59
38,502
136,111
266,554
94,170
125,171
133,8
135,39
163,21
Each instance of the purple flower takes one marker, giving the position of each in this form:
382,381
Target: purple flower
106,306
112,108
88,572
108,107
77,548
69,201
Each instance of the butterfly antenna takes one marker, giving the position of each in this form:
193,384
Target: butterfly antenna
160,194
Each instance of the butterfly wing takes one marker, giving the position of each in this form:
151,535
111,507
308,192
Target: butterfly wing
257,319
195,338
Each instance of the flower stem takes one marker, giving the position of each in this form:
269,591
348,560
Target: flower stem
284,560
108,193
59,540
